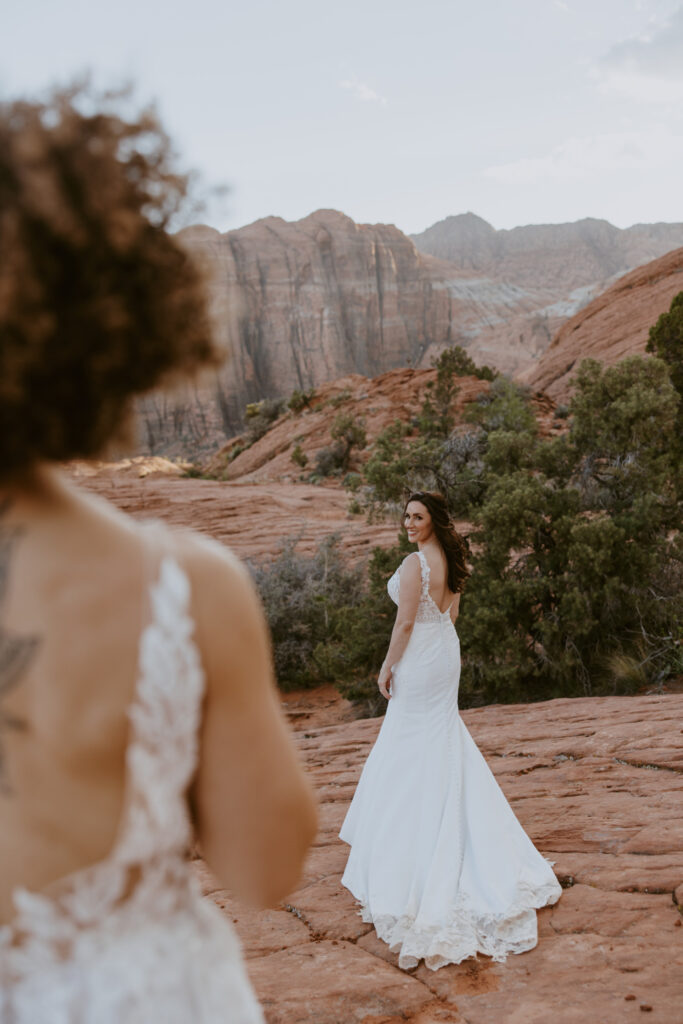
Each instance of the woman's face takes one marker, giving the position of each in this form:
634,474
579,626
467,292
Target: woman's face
418,522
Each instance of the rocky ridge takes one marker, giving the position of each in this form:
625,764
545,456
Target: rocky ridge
612,326
561,258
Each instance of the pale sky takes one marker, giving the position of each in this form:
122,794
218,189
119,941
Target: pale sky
394,111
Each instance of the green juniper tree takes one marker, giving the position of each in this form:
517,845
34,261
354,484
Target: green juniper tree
666,340
577,547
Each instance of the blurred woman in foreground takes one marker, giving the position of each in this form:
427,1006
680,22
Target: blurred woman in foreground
136,695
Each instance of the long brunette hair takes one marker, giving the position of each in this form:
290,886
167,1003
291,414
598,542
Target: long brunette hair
454,546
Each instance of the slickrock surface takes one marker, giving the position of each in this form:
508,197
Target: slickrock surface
613,326
598,785
252,519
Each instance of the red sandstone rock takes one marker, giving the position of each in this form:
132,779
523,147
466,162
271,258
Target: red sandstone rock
613,326
252,519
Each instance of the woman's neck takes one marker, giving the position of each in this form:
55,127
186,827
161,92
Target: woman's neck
44,488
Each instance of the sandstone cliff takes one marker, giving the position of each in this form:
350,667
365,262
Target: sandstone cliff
613,326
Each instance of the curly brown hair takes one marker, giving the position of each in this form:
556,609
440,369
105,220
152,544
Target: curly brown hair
98,302
454,546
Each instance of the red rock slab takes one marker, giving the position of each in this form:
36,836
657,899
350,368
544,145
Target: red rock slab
251,519
262,932
333,982
569,979
329,910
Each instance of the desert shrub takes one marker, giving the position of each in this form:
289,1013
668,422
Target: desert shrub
328,621
261,415
347,433
352,482
330,460
350,430
299,457
453,464
300,400
505,406
337,400
457,362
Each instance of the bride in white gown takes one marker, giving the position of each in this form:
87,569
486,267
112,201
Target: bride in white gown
439,863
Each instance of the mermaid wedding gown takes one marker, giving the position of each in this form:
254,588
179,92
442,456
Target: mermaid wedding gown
130,940
439,863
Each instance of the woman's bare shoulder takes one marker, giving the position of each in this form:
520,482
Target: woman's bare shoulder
411,569
221,583
412,559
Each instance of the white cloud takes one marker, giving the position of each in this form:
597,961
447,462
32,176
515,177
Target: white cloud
561,5
648,67
589,157
362,91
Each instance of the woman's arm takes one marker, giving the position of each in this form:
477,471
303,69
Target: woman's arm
255,810
455,608
408,600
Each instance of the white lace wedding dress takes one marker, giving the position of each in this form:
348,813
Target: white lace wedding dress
130,940
439,863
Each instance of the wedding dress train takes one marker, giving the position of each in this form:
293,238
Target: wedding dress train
439,863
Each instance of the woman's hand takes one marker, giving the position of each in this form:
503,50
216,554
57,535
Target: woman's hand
384,681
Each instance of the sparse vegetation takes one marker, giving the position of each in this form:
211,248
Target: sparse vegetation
337,400
261,415
300,400
319,611
299,457
347,433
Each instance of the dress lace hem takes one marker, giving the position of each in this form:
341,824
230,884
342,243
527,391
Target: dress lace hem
467,932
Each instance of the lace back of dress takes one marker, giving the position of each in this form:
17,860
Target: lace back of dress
145,873
427,610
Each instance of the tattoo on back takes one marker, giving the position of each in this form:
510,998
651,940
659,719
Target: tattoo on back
16,651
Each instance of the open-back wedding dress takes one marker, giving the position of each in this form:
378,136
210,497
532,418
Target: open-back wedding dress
130,940
439,863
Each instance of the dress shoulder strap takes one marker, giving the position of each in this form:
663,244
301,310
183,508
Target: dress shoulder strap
424,572
165,713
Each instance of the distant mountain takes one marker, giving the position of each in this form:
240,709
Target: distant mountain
613,326
559,258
